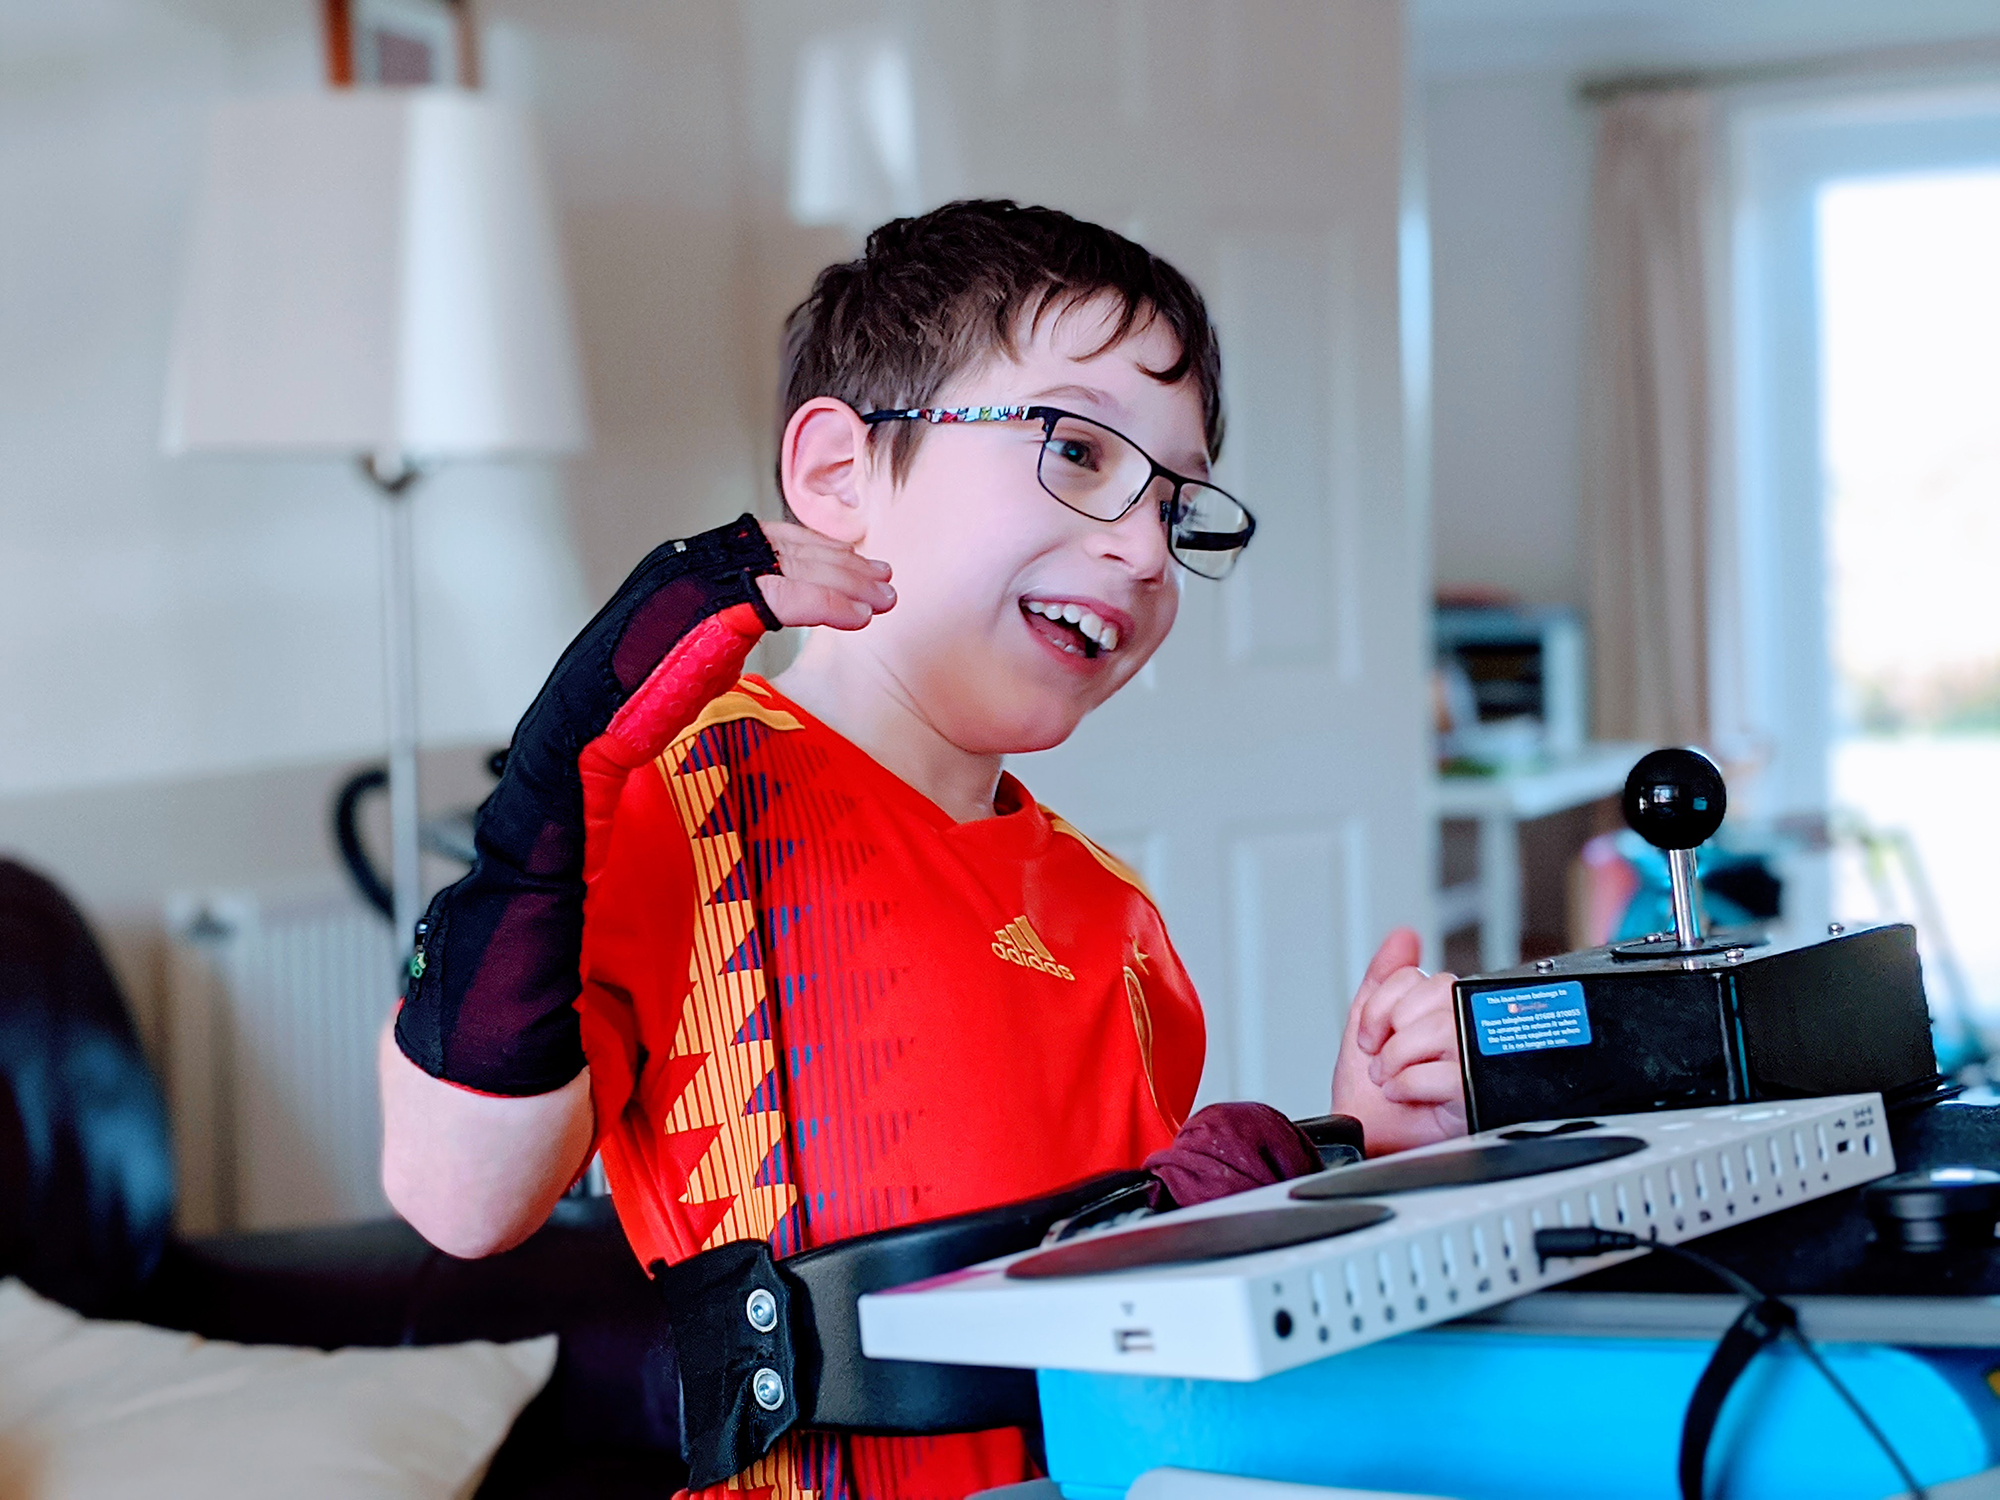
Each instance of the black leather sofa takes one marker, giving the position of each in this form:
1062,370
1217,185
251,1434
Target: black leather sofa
86,1204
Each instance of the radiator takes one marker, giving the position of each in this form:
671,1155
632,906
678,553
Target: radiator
270,1011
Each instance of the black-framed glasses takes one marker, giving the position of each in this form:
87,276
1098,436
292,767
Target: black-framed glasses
1099,472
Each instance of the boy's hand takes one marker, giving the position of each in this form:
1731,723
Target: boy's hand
1397,1071
823,582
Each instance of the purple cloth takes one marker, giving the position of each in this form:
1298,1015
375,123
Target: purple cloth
1231,1148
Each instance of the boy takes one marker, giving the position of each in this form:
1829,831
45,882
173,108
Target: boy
839,972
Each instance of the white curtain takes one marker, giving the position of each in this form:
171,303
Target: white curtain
1647,444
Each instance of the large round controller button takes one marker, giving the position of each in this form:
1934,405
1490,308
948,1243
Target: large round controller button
1944,1208
1675,799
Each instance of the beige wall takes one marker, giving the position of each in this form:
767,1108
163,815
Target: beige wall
191,647
1508,162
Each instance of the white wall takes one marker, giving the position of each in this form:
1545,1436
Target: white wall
175,618
1509,172
641,106
169,618
192,657
201,636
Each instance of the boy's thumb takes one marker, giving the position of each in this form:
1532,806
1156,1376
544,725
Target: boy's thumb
1401,949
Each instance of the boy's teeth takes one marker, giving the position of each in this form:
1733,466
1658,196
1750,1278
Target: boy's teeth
1091,626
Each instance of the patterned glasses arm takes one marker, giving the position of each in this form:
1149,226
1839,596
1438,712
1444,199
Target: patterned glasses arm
937,414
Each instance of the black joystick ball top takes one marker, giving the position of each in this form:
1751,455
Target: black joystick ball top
1675,799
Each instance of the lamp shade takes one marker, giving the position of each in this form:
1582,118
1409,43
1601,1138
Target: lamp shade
374,271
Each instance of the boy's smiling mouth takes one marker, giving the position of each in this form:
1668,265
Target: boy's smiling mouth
1073,626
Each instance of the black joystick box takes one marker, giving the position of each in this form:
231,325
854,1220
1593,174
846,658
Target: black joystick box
1682,1019
1591,1034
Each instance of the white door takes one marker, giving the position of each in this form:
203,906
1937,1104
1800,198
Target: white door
1267,774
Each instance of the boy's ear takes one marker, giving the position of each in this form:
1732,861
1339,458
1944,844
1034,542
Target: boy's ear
821,466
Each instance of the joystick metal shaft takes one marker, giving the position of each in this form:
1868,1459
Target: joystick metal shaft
1687,916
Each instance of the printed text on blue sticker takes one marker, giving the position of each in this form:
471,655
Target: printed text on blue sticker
1528,1020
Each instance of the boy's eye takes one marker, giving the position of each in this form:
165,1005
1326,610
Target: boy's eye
1079,451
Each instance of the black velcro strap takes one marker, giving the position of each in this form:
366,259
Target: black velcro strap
1760,1324
805,1345
846,1390
739,1380
1338,1139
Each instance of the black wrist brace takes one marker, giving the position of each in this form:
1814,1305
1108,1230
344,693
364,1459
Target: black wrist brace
490,998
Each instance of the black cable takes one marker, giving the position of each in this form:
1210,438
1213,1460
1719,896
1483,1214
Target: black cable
347,838
1882,1438
1764,1320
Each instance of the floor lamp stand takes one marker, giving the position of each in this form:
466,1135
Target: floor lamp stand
393,476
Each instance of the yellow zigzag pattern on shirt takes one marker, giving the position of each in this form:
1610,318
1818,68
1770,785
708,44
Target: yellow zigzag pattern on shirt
775,1476
718,1004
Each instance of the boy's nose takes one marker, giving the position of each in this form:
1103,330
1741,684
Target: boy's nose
1138,539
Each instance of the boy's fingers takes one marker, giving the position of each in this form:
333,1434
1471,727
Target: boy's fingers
1427,1083
1378,1008
801,602
855,574
1401,949
821,553
1430,995
798,546
873,591
846,571
1431,1036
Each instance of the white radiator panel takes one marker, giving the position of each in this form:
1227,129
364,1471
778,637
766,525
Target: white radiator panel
272,1009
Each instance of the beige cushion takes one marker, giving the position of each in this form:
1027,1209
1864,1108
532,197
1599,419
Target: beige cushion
92,1411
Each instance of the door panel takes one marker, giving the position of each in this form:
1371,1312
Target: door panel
1267,774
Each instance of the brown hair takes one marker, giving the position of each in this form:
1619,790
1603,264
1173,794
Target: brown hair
932,295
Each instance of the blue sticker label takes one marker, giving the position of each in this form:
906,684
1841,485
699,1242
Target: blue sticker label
1550,1015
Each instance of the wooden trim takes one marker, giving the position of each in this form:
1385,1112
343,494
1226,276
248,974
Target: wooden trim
468,44
337,26
339,31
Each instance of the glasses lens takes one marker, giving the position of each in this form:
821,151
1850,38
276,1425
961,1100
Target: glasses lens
1092,469
1209,530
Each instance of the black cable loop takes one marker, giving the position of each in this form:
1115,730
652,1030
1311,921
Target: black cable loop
1764,1320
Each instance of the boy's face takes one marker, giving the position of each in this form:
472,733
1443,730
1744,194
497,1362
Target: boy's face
986,561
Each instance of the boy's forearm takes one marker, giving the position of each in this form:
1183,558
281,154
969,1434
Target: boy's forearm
474,1173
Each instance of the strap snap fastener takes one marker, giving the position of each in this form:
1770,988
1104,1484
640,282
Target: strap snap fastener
769,1388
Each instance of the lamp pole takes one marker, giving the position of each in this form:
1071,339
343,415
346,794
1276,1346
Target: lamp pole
392,474
375,274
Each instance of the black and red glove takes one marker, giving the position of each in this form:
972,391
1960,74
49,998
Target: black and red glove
490,1003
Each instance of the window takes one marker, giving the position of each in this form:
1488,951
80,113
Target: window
1868,406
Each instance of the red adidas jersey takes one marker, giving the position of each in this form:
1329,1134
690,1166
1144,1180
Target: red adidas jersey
814,1006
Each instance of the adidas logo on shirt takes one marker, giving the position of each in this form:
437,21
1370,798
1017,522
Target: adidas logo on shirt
1018,943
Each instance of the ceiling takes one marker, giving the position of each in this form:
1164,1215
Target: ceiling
1451,38
1464,37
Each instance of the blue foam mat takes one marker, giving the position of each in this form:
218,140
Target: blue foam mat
1498,1416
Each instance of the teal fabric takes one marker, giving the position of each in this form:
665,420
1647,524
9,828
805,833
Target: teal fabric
1651,908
